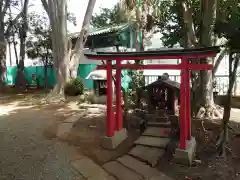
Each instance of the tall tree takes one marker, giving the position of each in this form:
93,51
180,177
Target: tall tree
109,16
21,81
3,10
39,43
66,60
229,27
191,24
5,29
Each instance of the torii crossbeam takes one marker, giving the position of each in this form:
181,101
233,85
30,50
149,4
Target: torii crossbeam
185,66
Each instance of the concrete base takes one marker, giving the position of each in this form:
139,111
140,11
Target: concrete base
186,156
113,142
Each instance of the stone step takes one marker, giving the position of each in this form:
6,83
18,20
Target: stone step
143,169
161,112
89,169
120,171
156,117
138,166
152,141
157,132
159,124
150,155
161,119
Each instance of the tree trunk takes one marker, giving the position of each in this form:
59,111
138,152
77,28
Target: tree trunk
64,67
208,9
77,53
2,57
21,82
233,66
57,12
9,51
3,64
207,39
15,50
219,60
3,9
45,76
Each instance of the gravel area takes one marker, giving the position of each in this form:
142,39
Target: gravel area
25,154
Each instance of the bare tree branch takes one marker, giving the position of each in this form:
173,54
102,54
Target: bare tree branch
219,60
6,5
45,6
190,25
15,20
84,31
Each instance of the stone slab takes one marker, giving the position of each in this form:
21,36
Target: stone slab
111,178
160,177
89,169
161,112
104,178
157,132
152,141
121,172
149,155
63,130
74,118
116,140
159,124
186,156
162,119
138,166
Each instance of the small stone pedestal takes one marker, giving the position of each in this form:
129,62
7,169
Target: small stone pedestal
114,141
186,156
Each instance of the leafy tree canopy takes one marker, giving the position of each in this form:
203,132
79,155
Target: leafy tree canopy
39,43
108,17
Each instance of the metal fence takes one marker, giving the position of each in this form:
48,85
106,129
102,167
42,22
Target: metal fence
221,83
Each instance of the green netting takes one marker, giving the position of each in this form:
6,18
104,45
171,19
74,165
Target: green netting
125,77
83,71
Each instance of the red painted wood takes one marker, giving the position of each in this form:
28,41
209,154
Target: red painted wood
196,56
160,66
118,98
185,93
183,137
110,115
188,101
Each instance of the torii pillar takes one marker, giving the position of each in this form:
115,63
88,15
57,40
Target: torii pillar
114,124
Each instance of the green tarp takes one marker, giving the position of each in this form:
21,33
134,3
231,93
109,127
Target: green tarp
83,71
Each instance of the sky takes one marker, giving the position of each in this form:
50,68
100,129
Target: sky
78,7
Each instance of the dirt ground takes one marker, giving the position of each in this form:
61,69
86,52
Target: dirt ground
208,165
25,152
87,135
88,132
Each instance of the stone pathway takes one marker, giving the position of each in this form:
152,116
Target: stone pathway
139,163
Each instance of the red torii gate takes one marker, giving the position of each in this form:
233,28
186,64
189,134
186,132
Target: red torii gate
184,66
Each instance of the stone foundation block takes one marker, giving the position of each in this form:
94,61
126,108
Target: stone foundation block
186,156
114,141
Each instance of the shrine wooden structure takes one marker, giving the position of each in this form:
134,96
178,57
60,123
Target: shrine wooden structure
163,94
185,66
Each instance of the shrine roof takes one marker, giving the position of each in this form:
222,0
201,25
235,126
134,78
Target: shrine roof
192,52
160,82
